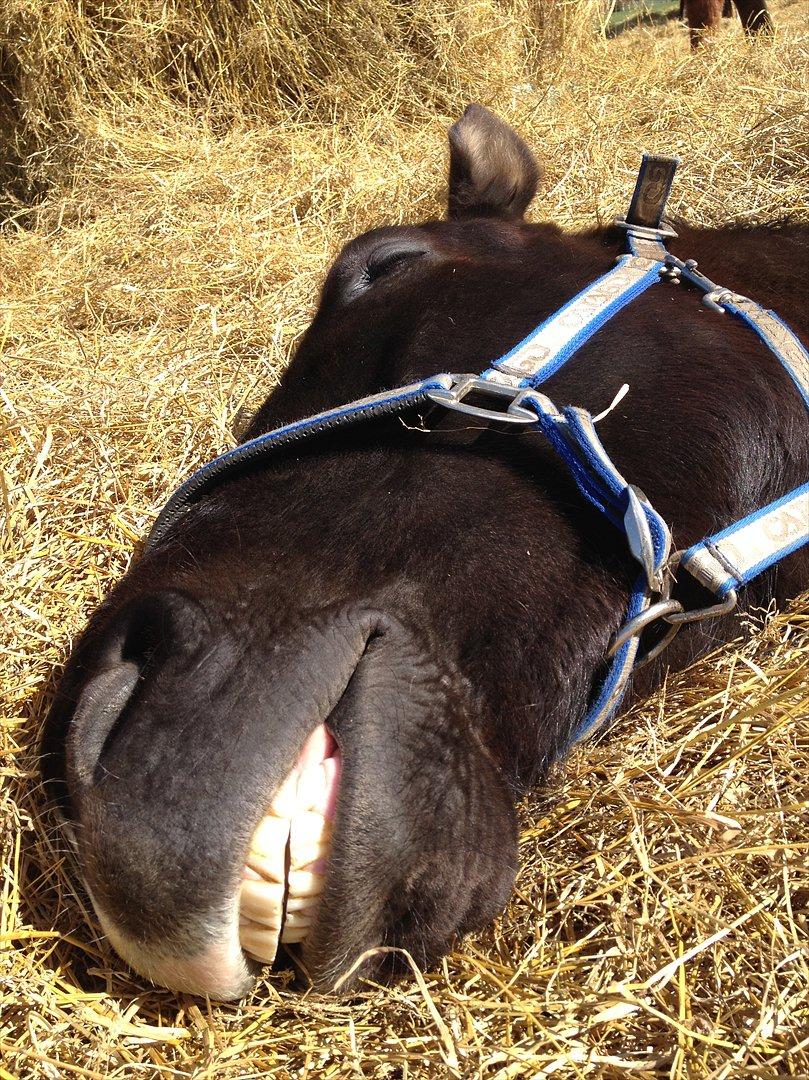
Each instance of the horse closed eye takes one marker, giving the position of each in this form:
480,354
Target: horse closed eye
383,262
369,259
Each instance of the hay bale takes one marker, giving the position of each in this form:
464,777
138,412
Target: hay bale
166,268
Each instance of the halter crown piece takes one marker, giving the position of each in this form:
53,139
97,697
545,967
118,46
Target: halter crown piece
722,563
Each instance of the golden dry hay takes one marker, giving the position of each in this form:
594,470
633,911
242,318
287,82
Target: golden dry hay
189,202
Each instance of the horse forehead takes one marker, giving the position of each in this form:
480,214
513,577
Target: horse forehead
455,257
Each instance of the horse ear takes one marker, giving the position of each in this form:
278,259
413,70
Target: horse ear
492,173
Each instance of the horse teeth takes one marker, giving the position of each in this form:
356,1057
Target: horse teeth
308,839
285,802
316,787
300,904
267,869
268,847
292,937
317,747
263,902
331,780
309,857
260,944
305,883
298,820
297,920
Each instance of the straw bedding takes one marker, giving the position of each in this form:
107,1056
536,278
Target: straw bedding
177,180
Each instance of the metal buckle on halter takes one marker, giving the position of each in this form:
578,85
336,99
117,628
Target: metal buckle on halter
645,232
453,398
670,611
715,295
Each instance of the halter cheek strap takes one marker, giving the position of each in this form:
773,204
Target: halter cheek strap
562,334
730,558
722,563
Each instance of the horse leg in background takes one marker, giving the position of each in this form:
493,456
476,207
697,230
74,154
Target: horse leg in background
754,15
702,17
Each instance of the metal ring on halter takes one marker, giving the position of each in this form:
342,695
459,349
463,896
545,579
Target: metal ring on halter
682,617
711,612
656,650
639,623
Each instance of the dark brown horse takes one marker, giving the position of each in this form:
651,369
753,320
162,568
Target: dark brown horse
703,16
435,591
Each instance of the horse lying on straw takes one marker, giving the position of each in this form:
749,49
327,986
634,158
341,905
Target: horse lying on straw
308,708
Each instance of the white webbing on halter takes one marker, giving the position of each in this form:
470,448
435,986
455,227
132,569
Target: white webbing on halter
737,554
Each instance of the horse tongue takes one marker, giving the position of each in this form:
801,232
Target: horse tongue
297,832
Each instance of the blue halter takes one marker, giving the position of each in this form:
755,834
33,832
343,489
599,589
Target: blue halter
722,562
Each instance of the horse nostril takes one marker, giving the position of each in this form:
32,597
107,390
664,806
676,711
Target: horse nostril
286,863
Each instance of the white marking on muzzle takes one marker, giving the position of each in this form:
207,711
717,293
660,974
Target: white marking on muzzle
218,970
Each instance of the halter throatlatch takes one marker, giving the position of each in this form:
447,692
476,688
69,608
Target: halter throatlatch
722,563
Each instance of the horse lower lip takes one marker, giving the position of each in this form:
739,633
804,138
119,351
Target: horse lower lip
286,864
